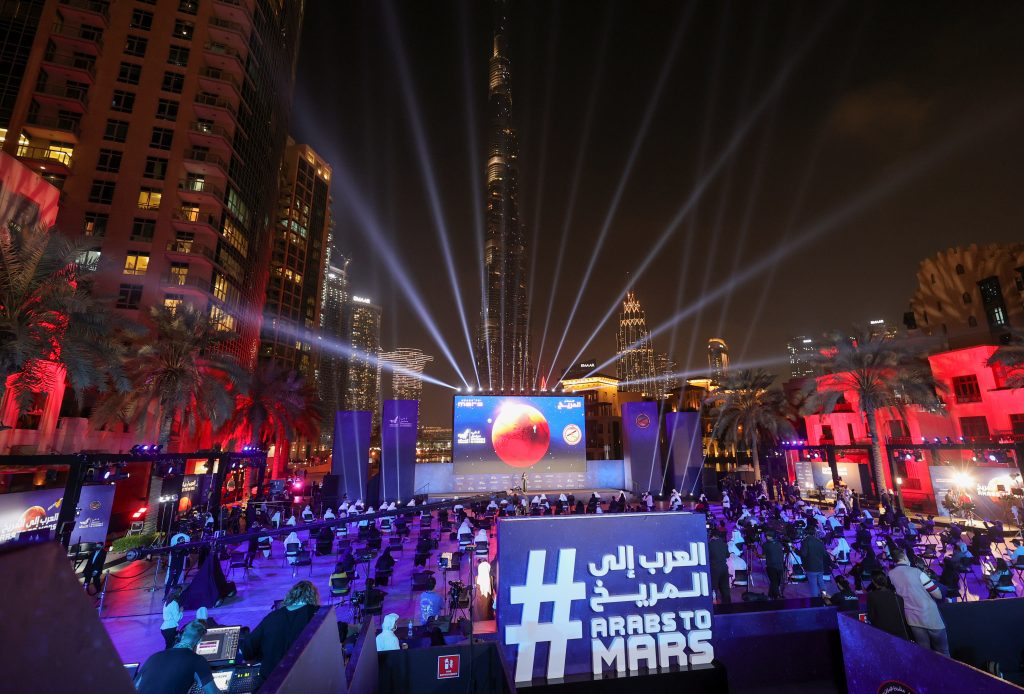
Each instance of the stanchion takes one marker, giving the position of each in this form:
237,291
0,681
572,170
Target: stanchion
103,593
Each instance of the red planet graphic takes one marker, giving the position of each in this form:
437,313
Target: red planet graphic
520,435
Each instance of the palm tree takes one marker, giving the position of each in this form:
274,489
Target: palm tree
881,372
1010,358
178,370
747,410
274,406
48,316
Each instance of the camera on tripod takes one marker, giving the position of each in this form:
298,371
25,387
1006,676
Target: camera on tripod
358,597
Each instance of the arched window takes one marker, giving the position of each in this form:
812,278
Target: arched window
967,298
959,269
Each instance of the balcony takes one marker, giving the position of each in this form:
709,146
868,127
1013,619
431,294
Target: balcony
70,67
212,108
52,127
206,135
86,11
205,163
190,283
52,160
199,191
228,33
233,11
78,37
65,97
221,83
195,221
223,57
191,250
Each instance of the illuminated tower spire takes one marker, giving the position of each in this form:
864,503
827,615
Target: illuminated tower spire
635,366
503,339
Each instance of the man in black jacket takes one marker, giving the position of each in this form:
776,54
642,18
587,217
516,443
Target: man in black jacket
718,558
269,642
775,565
815,558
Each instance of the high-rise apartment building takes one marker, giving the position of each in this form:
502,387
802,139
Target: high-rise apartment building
503,340
362,379
970,295
635,365
298,253
406,365
18,24
718,359
163,122
804,356
666,378
332,359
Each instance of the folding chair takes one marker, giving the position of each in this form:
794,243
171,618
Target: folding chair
239,560
340,586
302,558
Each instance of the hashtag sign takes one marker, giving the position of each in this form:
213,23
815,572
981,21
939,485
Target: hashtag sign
560,630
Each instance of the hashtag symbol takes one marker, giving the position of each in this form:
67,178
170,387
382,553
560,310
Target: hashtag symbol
560,629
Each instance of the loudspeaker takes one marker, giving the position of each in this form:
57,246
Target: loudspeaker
329,491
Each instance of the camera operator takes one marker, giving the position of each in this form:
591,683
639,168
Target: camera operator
431,603
775,565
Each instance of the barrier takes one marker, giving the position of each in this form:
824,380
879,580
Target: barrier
877,662
314,662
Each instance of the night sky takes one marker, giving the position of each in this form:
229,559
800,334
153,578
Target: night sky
866,136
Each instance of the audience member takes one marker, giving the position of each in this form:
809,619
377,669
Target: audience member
431,603
269,641
919,595
172,614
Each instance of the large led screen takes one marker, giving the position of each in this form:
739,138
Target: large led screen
507,434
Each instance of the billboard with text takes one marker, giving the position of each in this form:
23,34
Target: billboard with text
598,594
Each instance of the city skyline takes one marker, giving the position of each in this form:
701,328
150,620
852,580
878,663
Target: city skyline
831,142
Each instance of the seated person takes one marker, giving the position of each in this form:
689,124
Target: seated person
867,566
1018,553
374,596
386,639
885,609
431,603
269,641
178,668
346,564
949,579
863,541
845,597
841,552
1000,574
385,562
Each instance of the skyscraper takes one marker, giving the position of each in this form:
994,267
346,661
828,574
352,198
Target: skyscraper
332,361
718,359
163,123
666,378
406,380
804,356
18,24
362,379
635,366
298,253
503,340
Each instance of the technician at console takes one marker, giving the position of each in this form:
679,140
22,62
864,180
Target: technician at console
175,670
277,632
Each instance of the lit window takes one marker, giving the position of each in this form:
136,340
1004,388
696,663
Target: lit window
136,264
179,273
172,301
149,198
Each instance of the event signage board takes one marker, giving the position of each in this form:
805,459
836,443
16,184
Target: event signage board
93,519
34,514
641,444
350,459
500,441
594,594
398,449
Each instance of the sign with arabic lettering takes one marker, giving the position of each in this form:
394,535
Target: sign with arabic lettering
593,594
